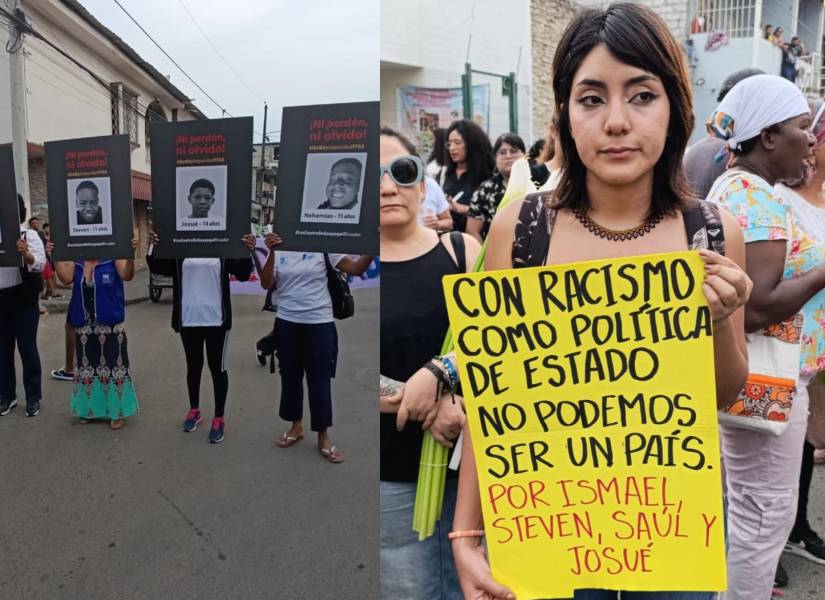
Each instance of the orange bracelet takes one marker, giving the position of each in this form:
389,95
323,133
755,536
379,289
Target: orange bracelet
471,533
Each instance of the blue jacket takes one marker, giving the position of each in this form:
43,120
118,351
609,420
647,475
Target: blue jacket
109,296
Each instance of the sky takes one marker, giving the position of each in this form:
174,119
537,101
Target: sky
286,53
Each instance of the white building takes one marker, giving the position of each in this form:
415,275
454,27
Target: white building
742,23
426,43
64,100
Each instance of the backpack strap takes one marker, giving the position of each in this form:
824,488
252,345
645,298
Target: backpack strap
457,240
535,223
703,226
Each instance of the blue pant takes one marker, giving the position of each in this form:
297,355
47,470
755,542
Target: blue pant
413,570
19,326
310,349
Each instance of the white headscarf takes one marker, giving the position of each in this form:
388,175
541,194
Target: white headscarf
755,104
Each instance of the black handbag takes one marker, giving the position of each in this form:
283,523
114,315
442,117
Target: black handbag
343,304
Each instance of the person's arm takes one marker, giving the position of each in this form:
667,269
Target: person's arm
475,225
727,288
444,220
470,562
355,267
32,251
241,268
268,273
499,254
65,271
773,298
159,266
126,266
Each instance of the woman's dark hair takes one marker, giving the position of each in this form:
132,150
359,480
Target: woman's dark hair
480,161
535,151
512,140
402,139
636,36
439,151
765,33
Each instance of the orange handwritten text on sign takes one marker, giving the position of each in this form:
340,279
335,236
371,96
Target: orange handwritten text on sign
591,401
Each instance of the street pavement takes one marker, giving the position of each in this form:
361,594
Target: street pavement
151,512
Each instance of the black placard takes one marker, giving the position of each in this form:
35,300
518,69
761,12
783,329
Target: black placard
202,187
327,195
9,215
89,183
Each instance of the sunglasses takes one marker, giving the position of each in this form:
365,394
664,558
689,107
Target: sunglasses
405,171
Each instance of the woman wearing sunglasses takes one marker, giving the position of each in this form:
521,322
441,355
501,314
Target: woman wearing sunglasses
413,325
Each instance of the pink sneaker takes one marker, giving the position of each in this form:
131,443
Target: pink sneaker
193,418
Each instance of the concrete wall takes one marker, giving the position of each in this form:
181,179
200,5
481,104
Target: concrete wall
549,19
424,43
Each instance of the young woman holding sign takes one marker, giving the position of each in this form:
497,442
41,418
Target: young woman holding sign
624,110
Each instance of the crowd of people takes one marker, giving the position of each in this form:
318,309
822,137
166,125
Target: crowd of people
749,198
97,358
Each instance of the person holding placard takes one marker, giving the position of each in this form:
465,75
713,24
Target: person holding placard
766,122
19,318
413,326
306,340
103,387
202,315
623,125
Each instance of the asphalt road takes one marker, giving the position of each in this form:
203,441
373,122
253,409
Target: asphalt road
150,512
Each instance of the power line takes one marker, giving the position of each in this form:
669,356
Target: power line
206,37
195,83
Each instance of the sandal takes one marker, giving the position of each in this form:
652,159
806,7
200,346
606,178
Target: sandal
331,454
116,424
286,440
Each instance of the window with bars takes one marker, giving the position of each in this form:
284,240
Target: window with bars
130,116
733,17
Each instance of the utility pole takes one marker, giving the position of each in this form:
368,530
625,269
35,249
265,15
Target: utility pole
259,183
18,104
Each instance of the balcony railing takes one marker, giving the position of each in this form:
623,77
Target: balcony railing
732,17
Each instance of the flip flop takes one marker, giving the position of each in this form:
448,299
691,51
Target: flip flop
116,424
331,454
286,440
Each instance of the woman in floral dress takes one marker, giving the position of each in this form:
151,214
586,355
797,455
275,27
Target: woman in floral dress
103,386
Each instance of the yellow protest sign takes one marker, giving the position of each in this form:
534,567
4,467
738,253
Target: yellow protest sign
591,400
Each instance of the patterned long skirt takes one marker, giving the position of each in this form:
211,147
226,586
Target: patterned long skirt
102,383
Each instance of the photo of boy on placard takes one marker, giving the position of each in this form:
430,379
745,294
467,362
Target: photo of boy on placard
201,198
333,184
90,206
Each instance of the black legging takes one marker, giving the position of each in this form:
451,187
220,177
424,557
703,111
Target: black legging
215,338
805,476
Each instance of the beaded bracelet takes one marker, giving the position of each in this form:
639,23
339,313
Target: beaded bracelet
461,534
450,368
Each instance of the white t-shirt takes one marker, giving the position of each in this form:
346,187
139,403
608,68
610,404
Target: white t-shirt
301,286
434,202
201,292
